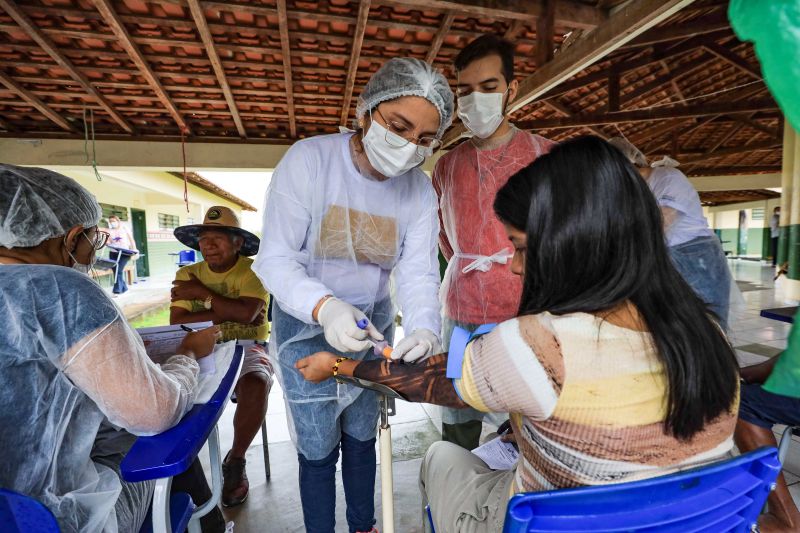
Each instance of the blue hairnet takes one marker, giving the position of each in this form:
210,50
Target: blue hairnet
37,204
408,77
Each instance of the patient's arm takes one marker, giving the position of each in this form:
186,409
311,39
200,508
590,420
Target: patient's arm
420,382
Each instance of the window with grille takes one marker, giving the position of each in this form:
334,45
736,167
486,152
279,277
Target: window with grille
121,212
168,221
758,213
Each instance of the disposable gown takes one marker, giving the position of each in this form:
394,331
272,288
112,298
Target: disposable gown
330,230
478,287
72,372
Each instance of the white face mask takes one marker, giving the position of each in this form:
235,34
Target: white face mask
80,267
114,225
389,160
481,113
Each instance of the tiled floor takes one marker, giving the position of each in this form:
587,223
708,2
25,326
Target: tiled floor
274,506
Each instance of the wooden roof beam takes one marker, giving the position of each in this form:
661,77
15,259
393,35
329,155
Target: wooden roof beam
682,31
436,45
651,114
560,108
124,39
747,93
208,41
355,54
734,59
286,53
627,23
569,13
51,48
545,32
725,152
34,100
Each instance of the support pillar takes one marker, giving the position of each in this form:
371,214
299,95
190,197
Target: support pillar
789,241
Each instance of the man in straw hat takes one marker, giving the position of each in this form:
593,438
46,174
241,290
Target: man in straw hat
224,290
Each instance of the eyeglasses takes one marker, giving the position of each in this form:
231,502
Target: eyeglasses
425,145
100,240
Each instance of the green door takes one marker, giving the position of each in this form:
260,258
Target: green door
140,236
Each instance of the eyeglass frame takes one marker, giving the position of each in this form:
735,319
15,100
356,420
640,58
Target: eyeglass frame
391,126
100,239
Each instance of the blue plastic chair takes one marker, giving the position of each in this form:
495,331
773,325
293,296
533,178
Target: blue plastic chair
724,497
23,514
185,257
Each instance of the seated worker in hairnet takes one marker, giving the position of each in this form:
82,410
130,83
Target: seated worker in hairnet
693,246
223,289
343,214
75,381
612,371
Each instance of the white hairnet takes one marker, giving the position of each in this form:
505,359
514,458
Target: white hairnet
665,161
633,154
37,204
408,77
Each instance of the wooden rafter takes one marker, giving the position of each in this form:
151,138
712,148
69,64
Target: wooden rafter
208,41
661,83
747,93
733,130
734,59
625,67
569,13
124,39
439,38
627,23
355,54
545,32
724,152
651,114
561,108
34,100
287,65
694,28
51,48
613,90
623,26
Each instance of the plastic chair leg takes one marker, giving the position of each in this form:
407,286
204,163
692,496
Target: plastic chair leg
267,469
162,522
786,442
216,482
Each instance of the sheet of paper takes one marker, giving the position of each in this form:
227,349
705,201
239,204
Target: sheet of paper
161,342
497,455
208,381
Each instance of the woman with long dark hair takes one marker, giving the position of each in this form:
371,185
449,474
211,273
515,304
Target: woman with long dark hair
613,371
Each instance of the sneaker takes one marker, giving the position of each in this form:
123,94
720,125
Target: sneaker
235,486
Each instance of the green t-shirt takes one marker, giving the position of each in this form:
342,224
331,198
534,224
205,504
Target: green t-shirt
237,282
785,377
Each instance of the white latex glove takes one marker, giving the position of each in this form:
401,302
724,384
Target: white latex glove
338,319
418,346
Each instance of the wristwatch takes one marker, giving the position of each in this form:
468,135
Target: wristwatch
207,302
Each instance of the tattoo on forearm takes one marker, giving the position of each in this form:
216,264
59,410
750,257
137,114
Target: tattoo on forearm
421,382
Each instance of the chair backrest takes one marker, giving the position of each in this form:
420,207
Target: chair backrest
23,514
186,257
726,496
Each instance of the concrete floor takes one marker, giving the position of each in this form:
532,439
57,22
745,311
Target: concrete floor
274,506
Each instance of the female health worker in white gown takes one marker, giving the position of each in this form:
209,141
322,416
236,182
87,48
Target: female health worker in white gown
346,217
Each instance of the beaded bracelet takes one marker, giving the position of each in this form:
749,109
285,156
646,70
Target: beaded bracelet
337,363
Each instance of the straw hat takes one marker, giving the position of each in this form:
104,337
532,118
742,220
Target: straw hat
218,217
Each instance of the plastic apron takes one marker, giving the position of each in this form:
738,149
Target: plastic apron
356,233
478,287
